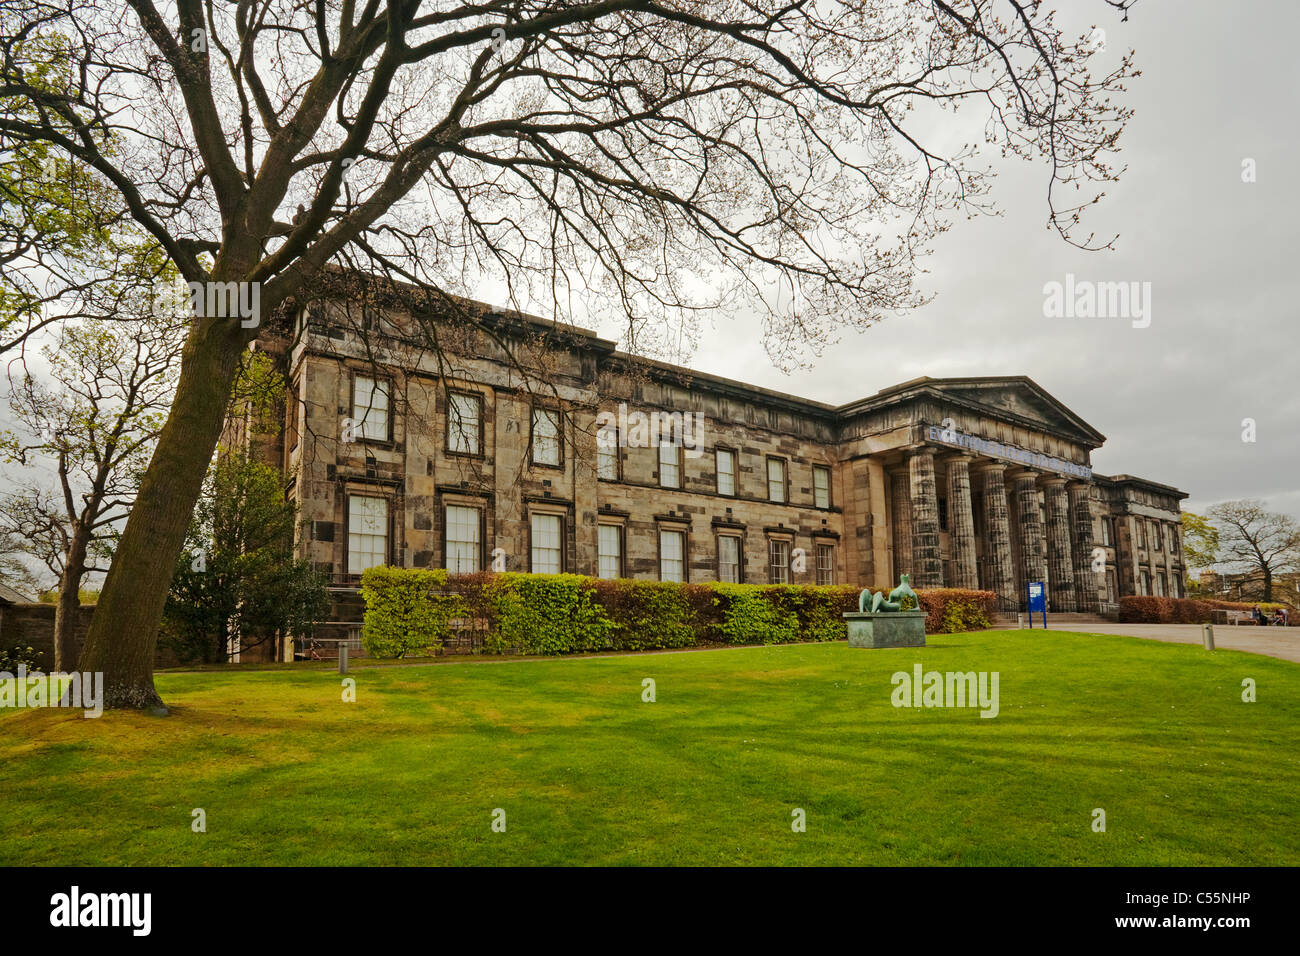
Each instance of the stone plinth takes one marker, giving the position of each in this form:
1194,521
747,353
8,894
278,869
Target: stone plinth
886,629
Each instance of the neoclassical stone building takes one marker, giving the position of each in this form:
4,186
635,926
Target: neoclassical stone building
530,447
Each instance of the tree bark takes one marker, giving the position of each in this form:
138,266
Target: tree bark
68,606
123,633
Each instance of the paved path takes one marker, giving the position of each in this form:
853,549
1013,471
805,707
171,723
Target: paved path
1283,642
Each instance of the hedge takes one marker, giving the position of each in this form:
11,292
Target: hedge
568,613
1136,609
407,611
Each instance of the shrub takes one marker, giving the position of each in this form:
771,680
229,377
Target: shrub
953,610
647,615
406,611
19,656
752,614
548,614
1146,609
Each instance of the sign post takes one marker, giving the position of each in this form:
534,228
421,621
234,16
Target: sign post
1037,601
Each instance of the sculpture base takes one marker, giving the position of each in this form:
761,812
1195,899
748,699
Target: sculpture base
886,628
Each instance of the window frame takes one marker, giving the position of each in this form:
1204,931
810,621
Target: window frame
620,532
452,394
830,498
481,557
772,543
563,531
559,436
740,556
785,480
828,547
359,427
730,452
679,465
681,534
348,532
616,453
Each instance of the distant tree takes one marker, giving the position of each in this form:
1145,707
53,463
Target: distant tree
1261,544
1200,542
85,428
238,584
14,569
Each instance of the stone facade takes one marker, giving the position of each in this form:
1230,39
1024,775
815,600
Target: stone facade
489,455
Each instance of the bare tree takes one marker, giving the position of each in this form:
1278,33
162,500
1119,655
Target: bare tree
1259,543
646,159
88,427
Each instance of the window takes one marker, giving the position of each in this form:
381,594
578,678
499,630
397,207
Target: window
465,424
672,556
670,464
1146,583
943,514
1106,538
729,558
1157,537
1142,536
776,480
821,486
610,560
779,561
725,470
607,454
825,564
547,538
463,547
370,408
1160,584
1112,594
546,437
367,532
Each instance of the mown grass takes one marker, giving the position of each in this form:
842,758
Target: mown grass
1157,735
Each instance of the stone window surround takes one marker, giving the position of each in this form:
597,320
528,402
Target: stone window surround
388,384
558,510
532,447
481,454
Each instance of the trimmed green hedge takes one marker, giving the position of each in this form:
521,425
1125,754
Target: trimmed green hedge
407,611
1148,609
570,614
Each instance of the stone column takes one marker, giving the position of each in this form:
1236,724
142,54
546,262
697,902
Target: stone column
1085,579
901,506
1001,575
927,565
1029,521
961,524
1060,563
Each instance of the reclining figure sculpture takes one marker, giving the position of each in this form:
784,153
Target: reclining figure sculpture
895,600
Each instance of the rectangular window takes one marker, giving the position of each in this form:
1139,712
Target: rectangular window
370,408
672,556
1160,584
367,532
611,551
547,541
1112,592
726,471
1106,538
729,558
776,480
670,464
607,454
546,437
821,486
1142,536
463,546
1146,583
825,564
464,424
943,514
1157,537
779,561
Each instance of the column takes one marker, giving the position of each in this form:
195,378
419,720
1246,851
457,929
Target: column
901,506
927,566
1001,577
1085,579
961,524
1029,521
1060,564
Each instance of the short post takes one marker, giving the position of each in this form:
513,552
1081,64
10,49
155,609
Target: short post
1207,636
1020,621
343,657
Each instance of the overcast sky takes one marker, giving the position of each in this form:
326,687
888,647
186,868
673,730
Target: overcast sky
1218,84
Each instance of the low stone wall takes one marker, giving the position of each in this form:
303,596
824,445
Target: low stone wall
23,625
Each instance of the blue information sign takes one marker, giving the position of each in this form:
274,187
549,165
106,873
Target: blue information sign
1037,602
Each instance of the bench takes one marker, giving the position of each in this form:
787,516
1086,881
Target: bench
1236,617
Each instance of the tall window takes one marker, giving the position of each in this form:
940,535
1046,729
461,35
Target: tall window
546,437
1112,591
1160,584
1146,583
464,423
610,562
547,543
1142,536
825,564
367,532
776,479
778,553
463,546
821,486
1106,538
607,454
1157,537
670,464
729,558
672,556
726,471
370,408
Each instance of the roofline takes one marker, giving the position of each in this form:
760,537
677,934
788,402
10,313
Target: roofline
1143,482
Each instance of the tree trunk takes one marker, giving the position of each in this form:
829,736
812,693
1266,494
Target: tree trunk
1268,586
67,608
124,630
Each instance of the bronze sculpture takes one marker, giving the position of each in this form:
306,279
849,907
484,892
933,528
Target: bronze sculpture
895,600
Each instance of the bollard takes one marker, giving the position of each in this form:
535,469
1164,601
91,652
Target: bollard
1207,636
1020,621
343,657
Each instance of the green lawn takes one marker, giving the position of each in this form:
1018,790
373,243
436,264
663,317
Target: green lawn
1155,734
